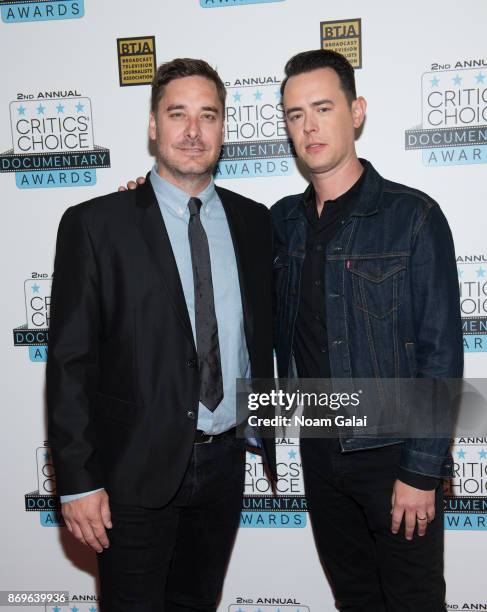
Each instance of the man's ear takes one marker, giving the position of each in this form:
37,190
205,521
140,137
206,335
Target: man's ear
152,126
359,106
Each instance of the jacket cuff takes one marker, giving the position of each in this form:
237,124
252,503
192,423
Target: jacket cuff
418,481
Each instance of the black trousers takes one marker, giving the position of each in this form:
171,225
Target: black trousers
370,568
173,559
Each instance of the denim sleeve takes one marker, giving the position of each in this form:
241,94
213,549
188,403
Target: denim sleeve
437,322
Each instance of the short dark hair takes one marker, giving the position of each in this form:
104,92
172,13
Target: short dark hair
184,67
323,58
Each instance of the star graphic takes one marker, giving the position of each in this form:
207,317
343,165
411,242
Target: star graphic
292,454
47,456
80,107
480,273
35,288
237,96
277,93
40,109
461,454
258,95
21,110
251,456
483,454
480,77
457,80
92,609
74,609
460,273
60,108
435,82
56,609
240,610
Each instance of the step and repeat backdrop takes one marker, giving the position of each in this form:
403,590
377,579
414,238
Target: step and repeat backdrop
74,105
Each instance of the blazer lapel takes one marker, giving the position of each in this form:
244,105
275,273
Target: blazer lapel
152,227
240,239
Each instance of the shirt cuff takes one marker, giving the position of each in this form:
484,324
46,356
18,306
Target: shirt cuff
418,481
68,498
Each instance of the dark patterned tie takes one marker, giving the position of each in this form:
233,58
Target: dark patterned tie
210,369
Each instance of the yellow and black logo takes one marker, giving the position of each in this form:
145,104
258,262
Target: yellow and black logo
345,37
136,60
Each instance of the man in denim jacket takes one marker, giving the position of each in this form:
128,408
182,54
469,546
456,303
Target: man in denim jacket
366,287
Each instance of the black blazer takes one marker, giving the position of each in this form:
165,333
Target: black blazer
122,376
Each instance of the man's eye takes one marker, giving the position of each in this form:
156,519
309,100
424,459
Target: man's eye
323,109
209,116
294,117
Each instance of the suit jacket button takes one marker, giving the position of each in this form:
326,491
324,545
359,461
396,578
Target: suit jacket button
191,363
191,415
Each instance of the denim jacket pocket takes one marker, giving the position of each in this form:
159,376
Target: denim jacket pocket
377,284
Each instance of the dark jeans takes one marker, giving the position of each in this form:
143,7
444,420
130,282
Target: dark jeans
370,568
173,559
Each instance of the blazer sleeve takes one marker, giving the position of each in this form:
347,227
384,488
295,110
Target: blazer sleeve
73,364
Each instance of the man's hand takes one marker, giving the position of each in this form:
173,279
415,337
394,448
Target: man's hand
133,184
87,517
415,505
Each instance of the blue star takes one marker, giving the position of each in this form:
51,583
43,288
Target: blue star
60,108
457,80
480,273
240,610
251,456
461,454
258,95
92,609
277,93
80,107
74,609
483,454
292,454
47,456
21,110
435,82
56,609
480,77
460,273
236,98
35,288
40,109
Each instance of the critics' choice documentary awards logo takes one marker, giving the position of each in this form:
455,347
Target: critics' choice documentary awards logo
267,604
345,37
472,281
466,493
35,333
454,117
256,141
286,509
44,499
52,142
15,11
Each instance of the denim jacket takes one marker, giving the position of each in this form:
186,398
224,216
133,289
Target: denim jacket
392,298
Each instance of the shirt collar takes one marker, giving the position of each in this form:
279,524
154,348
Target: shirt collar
352,195
176,200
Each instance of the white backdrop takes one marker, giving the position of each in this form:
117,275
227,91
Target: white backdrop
424,67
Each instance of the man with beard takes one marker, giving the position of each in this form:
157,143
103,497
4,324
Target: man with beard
366,287
161,299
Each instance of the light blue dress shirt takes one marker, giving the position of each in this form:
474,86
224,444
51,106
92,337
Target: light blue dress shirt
235,361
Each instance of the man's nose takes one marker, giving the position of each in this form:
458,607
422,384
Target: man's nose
309,124
193,127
